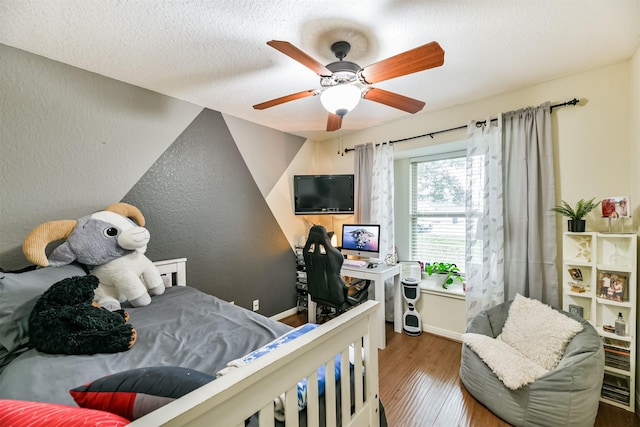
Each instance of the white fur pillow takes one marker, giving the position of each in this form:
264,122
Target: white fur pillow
538,331
509,365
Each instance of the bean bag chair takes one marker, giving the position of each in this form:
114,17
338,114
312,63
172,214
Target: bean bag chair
567,395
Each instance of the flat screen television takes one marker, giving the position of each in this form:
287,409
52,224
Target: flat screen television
361,240
323,194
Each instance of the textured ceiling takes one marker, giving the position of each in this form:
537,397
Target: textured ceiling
213,52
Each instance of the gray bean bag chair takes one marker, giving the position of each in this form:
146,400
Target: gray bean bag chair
565,396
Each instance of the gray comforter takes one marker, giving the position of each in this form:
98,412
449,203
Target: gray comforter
171,332
183,327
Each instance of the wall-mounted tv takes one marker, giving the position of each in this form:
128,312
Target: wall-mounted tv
323,194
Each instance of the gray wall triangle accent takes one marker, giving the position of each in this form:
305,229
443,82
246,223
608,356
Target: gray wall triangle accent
72,142
201,202
267,152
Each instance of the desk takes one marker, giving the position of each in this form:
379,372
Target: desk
377,275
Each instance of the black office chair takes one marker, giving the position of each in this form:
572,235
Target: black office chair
325,284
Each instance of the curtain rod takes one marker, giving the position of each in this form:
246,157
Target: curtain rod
572,102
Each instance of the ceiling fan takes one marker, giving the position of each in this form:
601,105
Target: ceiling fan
343,83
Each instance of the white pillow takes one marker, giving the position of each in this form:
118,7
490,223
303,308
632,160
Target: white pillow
538,331
509,365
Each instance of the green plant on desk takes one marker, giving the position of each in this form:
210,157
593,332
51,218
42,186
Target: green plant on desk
451,271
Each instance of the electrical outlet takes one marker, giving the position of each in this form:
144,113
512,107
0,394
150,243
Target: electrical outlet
256,304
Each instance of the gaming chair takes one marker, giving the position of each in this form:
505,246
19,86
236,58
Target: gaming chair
325,284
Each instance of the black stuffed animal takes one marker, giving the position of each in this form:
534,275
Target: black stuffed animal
66,321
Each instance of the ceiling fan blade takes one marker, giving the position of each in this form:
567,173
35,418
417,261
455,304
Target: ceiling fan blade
394,100
334,122
283,99
298,55
421,58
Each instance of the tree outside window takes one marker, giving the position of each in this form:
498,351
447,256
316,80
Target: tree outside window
438,187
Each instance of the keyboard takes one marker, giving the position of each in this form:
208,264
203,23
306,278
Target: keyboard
354,263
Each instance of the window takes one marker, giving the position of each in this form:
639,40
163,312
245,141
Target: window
437,217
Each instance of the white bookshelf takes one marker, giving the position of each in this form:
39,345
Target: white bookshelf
597,255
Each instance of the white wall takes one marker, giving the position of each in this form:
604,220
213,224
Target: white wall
634,131
280,198
593,144
597,151
634,158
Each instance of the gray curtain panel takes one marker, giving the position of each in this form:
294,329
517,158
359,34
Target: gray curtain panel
529,194
363,181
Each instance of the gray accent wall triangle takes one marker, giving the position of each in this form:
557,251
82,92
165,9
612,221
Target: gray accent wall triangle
267,152
201,202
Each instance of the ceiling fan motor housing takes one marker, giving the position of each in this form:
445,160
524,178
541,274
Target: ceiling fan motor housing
342,72
340,49
343,66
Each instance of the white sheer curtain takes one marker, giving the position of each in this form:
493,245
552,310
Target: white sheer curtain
382,197
373,167
529,194
484,252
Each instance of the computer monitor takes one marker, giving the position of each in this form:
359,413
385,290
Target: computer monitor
361,240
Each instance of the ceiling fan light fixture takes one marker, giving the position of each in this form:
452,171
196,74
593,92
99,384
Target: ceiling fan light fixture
340,99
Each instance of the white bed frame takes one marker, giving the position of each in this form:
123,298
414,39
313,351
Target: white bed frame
252,388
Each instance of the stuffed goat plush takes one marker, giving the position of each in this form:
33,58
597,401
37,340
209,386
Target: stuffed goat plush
113,241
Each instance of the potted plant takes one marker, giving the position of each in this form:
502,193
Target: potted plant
448,272
576,215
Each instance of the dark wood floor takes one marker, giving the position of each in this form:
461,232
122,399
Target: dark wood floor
419,386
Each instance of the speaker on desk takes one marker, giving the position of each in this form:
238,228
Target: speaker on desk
411,321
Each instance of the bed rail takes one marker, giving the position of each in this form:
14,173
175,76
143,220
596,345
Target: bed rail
252,388
175,270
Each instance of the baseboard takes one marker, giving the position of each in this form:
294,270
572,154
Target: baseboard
286,313
455,336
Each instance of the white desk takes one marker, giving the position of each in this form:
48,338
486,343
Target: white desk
378,275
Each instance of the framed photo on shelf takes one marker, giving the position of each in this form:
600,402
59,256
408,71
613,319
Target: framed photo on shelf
576,274
576,309
615,207
613,286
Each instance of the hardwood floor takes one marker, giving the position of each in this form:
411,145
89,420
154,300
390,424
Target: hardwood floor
420,387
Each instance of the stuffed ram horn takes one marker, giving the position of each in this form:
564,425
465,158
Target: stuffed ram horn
113,242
